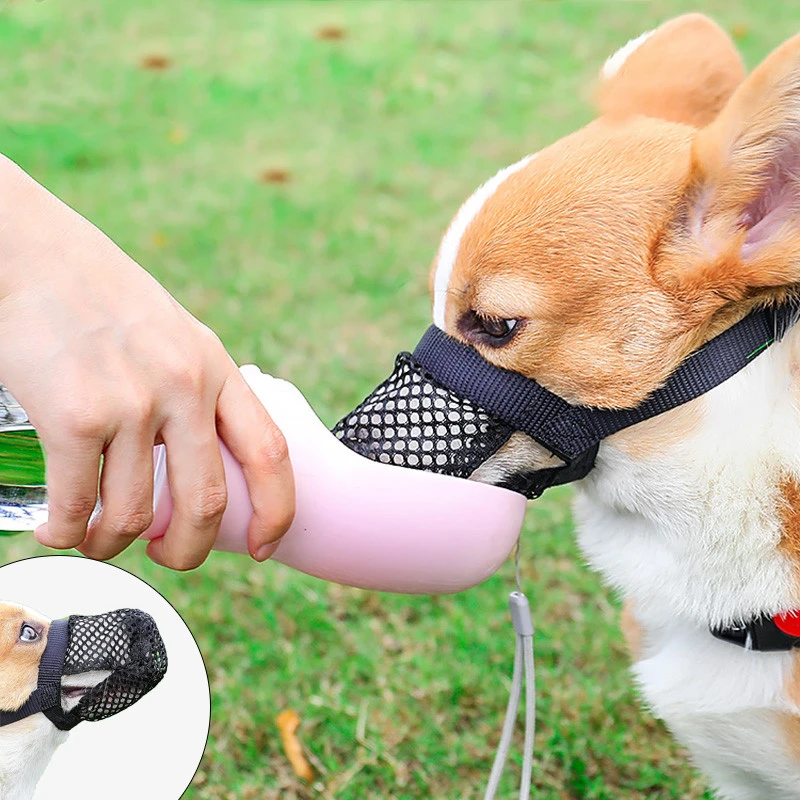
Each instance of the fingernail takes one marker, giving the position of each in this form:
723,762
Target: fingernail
264,552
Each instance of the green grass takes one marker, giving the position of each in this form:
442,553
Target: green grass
21,459
380,135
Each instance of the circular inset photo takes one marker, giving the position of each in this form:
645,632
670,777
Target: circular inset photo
103,690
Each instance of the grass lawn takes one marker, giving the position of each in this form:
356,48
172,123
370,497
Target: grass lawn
286,170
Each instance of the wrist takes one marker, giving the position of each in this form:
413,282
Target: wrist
14,184
23,232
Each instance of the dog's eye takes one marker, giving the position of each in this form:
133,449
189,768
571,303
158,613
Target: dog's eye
28,634
498,328
488,330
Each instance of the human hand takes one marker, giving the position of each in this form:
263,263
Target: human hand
106,363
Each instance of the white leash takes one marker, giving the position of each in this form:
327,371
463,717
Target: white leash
523,673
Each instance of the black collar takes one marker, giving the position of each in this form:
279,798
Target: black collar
780,633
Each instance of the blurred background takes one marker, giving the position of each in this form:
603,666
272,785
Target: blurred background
286,170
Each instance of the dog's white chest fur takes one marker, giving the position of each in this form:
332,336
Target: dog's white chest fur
26,748
691,536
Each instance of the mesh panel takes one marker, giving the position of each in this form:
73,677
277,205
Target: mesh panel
127,643
411,420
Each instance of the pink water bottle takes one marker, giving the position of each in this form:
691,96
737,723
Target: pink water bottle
361,522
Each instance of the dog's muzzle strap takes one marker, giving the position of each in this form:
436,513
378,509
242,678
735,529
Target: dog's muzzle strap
446,409
47,696
519,401
570,432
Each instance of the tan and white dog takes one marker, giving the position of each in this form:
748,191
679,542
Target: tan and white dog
596,266
27,746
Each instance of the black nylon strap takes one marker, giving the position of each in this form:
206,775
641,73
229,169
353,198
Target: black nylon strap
709,366
64,721
569,431
47,695
517,400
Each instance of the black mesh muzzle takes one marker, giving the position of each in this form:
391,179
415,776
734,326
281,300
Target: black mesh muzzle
447,409
412,420
126,643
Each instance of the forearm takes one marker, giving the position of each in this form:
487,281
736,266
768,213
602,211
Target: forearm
107,363
29,225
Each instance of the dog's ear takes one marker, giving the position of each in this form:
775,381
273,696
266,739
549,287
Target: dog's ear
683,71
736,231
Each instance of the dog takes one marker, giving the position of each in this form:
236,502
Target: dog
27,746
596,267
